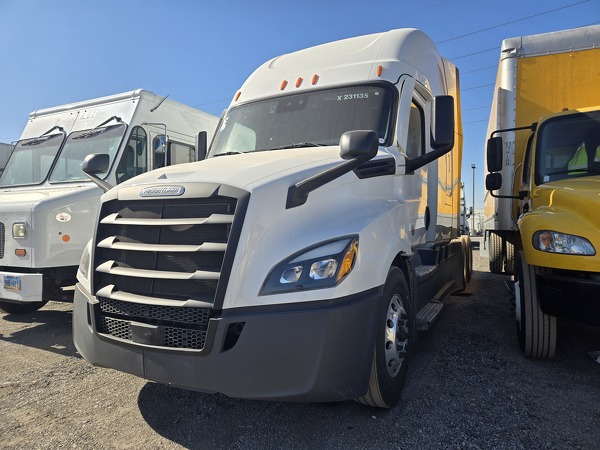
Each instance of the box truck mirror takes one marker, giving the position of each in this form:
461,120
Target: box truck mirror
493,181
94,164
494,154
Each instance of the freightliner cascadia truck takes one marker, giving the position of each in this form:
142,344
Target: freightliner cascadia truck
298,261
48,206
544,187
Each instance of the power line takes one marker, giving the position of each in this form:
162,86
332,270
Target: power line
478,70
512,21
475,53
475,121
473,109
477,87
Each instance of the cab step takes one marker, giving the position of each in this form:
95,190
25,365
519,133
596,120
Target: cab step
428,314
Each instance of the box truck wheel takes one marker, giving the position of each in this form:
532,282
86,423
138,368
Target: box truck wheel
509,267
21,308
536,330
495,252
390,360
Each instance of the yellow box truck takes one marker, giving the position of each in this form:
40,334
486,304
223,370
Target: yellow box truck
543,155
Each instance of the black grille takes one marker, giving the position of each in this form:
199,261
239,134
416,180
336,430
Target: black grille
195,237
2,240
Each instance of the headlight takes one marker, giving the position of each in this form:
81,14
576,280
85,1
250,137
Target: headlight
318,267
85,264
555,242
19,230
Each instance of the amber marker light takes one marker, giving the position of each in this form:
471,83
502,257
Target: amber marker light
20,252
237,96
66,238
379,70
299,82
283,85
315,79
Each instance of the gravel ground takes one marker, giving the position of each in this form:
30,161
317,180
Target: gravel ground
468,388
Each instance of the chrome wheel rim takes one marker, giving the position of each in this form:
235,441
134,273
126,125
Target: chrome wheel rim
396,335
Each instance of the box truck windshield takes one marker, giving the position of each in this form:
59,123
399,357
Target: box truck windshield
31,160
308,119
82,143
569,146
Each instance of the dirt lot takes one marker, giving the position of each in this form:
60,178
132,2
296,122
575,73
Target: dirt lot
468,387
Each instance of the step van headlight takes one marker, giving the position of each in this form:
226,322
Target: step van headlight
568,244
19,230
317,267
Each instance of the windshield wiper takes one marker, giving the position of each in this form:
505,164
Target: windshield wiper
297,145
230,152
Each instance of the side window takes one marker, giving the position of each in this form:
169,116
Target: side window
181,153
134,159
414,141
170,153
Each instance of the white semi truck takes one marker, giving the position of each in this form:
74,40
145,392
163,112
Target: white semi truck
298,261
48,206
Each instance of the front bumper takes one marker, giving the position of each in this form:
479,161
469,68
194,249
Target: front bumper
308,352
21,287
570,294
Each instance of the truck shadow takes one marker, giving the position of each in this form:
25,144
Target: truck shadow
198,420
49,330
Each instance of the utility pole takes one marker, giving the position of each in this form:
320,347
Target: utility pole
473,213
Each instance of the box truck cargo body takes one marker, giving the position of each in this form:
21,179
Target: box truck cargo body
298,261
48,205
544,185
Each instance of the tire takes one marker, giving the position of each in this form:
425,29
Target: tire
536,330
509,266
495,252
391,353
21,308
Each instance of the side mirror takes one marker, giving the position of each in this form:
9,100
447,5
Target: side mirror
97,163
442,133
493,181
201,145
494,154
359,143
442,121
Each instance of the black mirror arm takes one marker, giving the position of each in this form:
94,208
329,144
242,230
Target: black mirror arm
521,195
413,164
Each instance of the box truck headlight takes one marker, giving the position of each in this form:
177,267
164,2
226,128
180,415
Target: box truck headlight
19,230
85,264
317,267
555,242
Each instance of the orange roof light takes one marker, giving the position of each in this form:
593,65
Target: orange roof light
299,82
379,70
315,78
283,85
237,95
20,252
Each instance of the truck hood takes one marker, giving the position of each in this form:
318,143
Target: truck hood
581,196
244,170
43,197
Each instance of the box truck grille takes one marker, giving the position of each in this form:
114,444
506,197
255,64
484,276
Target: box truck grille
2,240
161,263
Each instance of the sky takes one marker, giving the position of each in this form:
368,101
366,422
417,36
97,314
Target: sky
200,52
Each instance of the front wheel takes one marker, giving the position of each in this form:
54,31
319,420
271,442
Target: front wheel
21,308
536,330
390,359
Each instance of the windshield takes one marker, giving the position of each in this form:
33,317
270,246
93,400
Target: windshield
82,143
306,119
31,160
568,147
